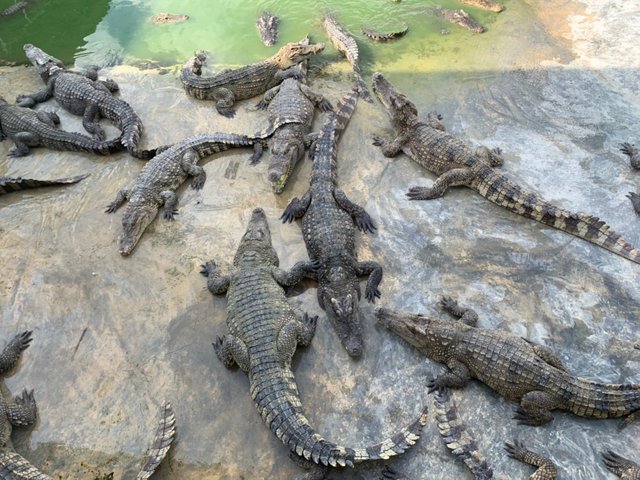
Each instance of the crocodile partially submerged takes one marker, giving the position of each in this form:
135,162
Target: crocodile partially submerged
27,128
263,335
159,179
457,17
385,37
633,152
620,466
166,18
267,26
13,9
345,43
514,367
329,219
23,411
14,184
428,144
484,4
545,468
85,95
228,86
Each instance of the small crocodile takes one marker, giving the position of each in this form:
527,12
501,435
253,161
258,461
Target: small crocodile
514,367
13,184
457,17
267,25
485,4
546,470
165,18
159,179
13,9
633,153
85,95
27,128
385,37
245,82
264,333
455,164
328,219
620,466
345,43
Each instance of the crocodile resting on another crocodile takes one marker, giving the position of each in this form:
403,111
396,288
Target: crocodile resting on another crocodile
14,184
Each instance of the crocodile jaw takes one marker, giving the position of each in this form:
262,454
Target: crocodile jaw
412,328
344,314
45,63
294,53
401,110
135,221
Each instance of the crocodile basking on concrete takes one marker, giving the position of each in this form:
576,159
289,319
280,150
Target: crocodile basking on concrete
457,17
23,411
385,37
620,466
263,334
85,95
245,82
328,227
631,151
159,179
13,9
267,25
14,184
27,128
484,4
441,153
514,367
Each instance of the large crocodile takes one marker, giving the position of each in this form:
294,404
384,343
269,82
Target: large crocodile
625,469
13,184
267,26
514,367
27,128
231,85
264,333
457,17
23,411
85,95
328,219
159,179
455,164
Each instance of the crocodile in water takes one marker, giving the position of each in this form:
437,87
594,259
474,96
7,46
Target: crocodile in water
457,17
263,334
625,469
159,179
328,227
385,37
455,164
13,9
14,184
267,25
484,4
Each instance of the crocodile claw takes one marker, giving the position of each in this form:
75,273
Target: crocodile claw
432,385
523,417
365,223
208,268
377,141
288,216
421,193
371,294
262,105
170,214
325,106
227,112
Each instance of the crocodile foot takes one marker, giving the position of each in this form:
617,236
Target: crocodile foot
208,268
421,193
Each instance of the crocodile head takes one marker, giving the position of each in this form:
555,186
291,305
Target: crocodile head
255,246
137,217
294,53
268,28
401,110
46,64
284,156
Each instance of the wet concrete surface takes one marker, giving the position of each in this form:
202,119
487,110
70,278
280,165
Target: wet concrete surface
114,337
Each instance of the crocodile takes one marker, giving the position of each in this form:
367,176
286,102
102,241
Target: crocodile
328,219
23,411
27,128
514,367
264,333
620,466
457,17
385,37
546,470
13,9
345,43
631,151
85,95
484,4
165,18
159,179
267,25
635,201
455,164
245,82
13,184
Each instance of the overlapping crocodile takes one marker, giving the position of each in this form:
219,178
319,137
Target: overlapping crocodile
159,179
620,466
263,335
458,17
385,37
13,9
267,26
328,219
14,184
229,86
484,4
514,367
441,153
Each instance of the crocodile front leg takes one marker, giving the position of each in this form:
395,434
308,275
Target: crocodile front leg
268,96
360,217
318,100
546,354
492,156
452,178
535,408
170,204
109,84
374,270
121,196
40,96
294,276
224,102
389,148
291,72
546,469
188,163
216,283
231,351
296,208
457,377
22,142
50,118
90,119
434,121
466,315
23,411
13,350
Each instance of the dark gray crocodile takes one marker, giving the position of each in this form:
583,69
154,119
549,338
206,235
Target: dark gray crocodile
328,219
13,9
267,25
441,153
345,43
484,4
27,128
514,367
457,17
263,334
620,466
545,468
14,184
385,37
245,82
85,95
159,179
633,153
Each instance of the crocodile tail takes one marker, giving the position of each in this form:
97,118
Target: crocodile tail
165,434
617,464
8,185
361,88
499,189
344,110
455,435
15,467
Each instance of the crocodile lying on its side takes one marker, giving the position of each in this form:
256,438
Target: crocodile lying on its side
455,164
328,219
457,17
159,179
264,333
23,411
385,37
27,128
13,9
267,25
485,4
245,82
620,466
85,95
633,153
13,184
514,367
345,43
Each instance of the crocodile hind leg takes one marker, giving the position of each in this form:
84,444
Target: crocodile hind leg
224,101
121,196
231,351
109,84
216,283
389,148
374,270
621,466
296,332
267,97
452,178
11,353
546,354
535,408
189,165
457,377
22,142
90,122
23,411
50,118
296,208
635,201
546,469
170,204
466,315
360,217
